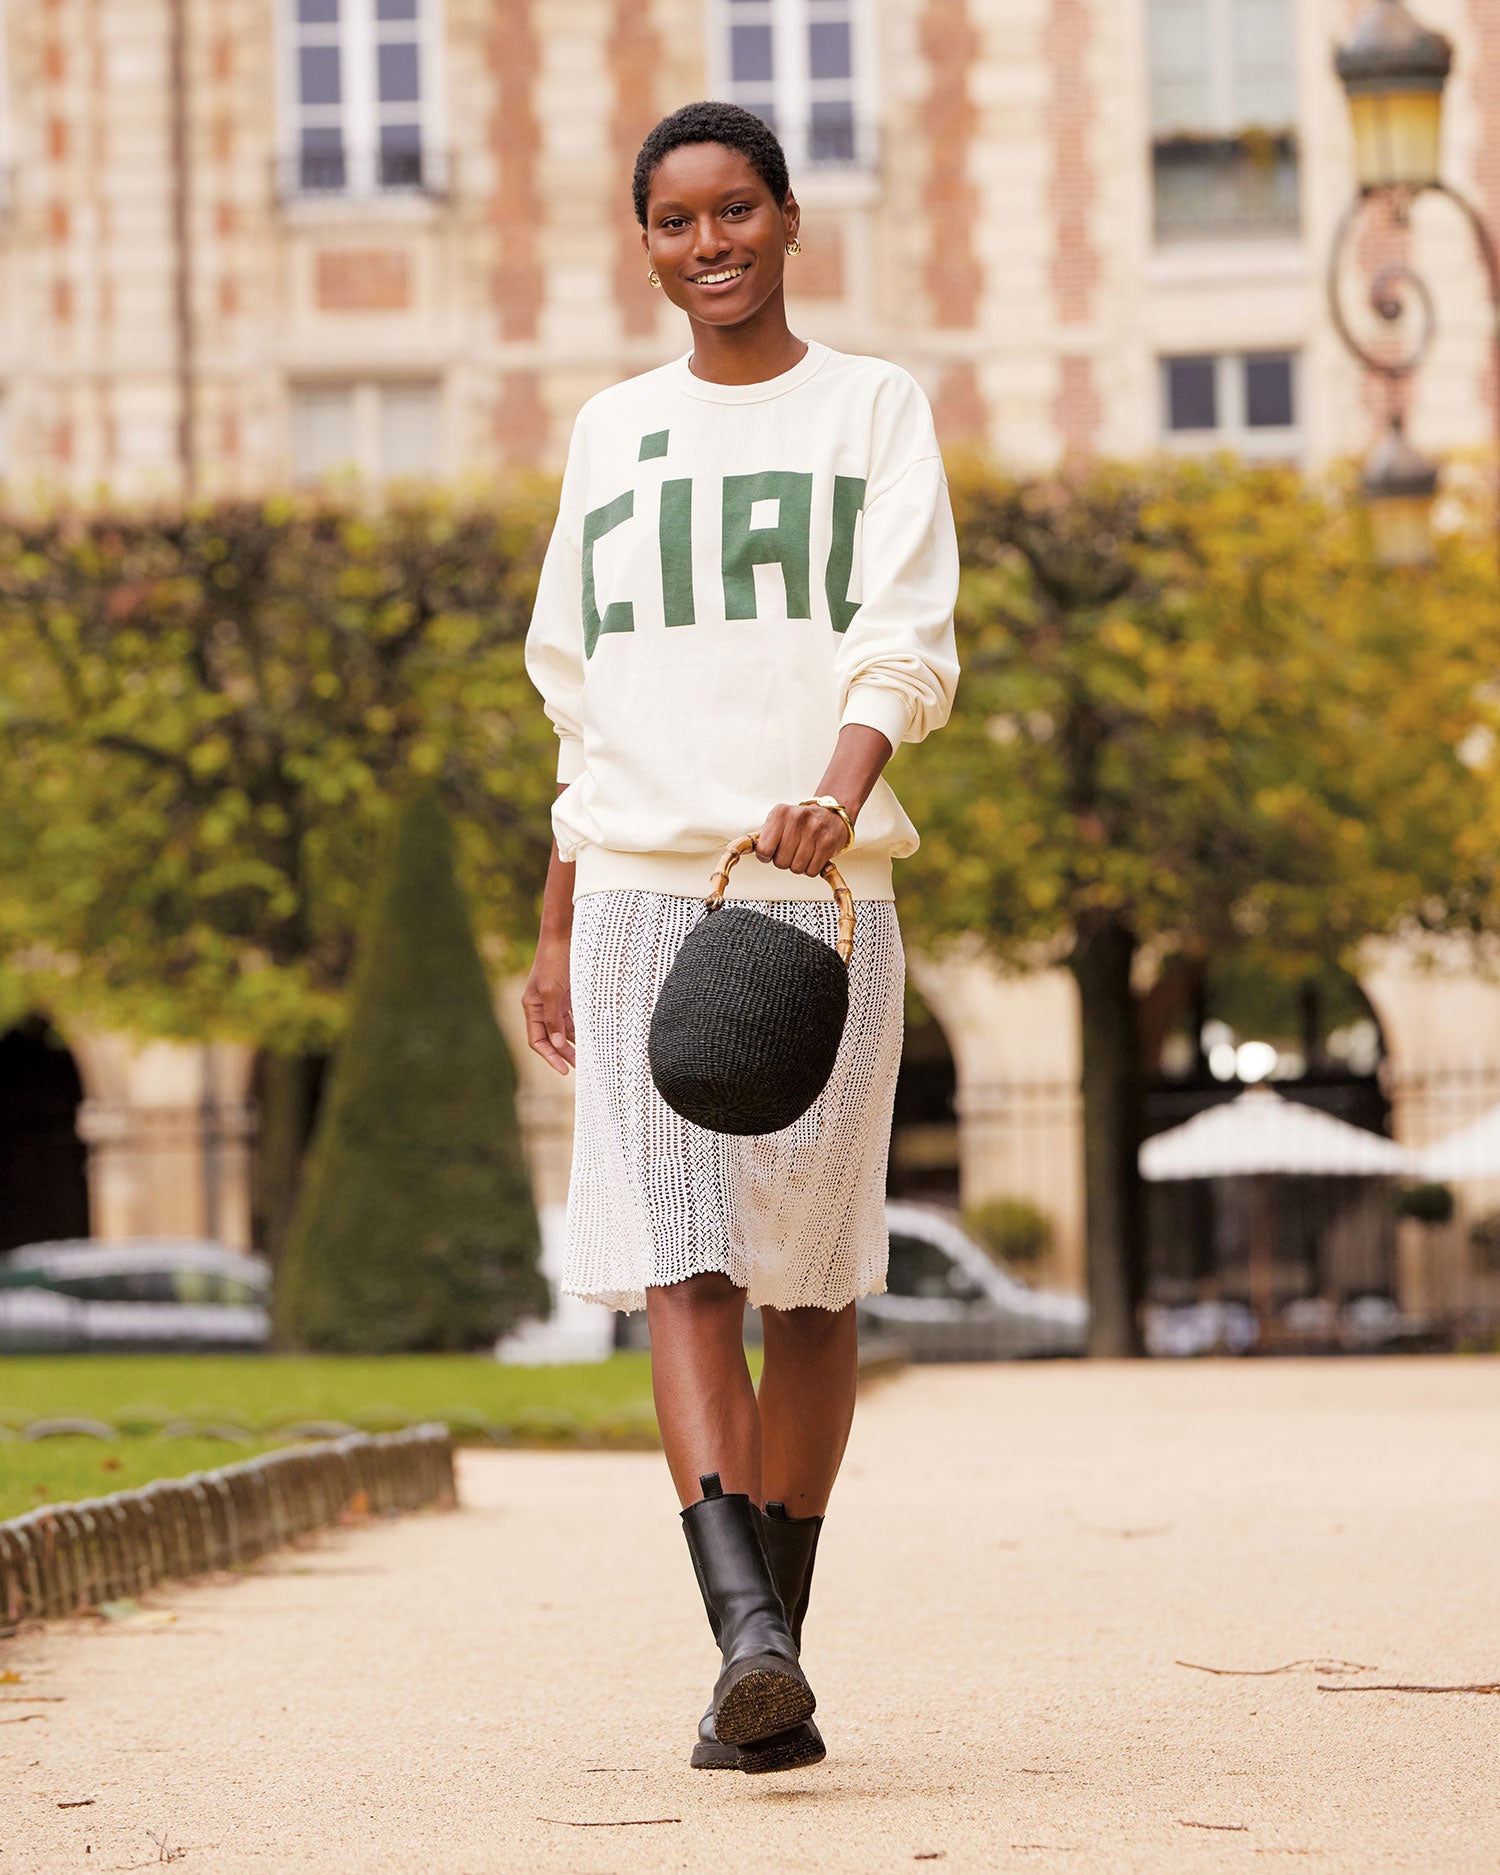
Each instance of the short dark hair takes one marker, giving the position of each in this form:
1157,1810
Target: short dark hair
711,121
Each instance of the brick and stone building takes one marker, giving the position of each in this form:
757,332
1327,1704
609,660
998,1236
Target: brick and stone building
246,242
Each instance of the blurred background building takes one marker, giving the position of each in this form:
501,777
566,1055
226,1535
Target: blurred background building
252,242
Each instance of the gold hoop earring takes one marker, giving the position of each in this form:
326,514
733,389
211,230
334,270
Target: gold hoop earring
794,246
654,277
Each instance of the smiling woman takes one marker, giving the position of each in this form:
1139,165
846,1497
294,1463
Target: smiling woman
747,604
717,222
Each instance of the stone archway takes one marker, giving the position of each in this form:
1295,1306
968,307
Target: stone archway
925,1156
44,1190
1015,1043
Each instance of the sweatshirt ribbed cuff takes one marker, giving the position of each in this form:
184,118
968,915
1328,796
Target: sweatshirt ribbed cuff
878,708
569,758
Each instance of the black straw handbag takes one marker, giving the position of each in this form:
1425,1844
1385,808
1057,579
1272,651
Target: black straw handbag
749,1020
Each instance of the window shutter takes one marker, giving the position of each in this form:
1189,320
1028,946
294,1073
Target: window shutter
1264,76
1181,79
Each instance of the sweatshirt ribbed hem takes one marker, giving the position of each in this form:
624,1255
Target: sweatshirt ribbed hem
687,875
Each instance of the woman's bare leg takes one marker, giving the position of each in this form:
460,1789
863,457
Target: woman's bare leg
806,1404
705,1402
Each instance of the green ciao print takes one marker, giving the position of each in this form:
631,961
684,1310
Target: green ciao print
786,542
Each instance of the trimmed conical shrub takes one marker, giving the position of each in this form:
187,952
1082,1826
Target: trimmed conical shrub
416,1227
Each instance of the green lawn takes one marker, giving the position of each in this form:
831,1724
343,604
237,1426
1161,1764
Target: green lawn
62,1470
140,1394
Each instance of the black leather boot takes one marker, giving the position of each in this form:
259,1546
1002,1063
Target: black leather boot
761,1690
791,1544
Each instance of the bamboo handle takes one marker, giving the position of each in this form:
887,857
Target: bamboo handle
843,897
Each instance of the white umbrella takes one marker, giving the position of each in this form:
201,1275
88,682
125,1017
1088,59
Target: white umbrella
1260,1134
1472,1152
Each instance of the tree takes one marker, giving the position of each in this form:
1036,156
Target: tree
1193,714
416,1228
204,720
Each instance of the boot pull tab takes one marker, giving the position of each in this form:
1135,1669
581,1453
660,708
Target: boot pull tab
777,1510
709,1484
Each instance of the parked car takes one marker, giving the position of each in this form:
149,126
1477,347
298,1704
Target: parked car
946,1299
147,1292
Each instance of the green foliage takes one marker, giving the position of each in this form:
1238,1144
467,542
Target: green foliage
1427,1204
1193,704
1195,716
1013,1230
204,719
415,1228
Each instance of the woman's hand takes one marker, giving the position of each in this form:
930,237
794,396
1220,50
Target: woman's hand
548,1002
801,839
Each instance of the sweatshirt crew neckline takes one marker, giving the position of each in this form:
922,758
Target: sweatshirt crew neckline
812,361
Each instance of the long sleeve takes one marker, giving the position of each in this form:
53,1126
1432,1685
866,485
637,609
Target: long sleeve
554,642
897,666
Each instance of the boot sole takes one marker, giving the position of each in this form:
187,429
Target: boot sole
762,1702
789,1751
786,1751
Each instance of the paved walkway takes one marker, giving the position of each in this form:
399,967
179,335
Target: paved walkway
1019,1562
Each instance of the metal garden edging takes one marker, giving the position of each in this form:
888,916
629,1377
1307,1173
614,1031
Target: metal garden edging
63,1558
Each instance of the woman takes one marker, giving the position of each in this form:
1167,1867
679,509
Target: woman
746,605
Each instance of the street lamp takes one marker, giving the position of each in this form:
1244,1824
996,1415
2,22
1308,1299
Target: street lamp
1399,486
1393,71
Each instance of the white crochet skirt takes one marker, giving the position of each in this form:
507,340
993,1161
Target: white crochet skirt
795,1218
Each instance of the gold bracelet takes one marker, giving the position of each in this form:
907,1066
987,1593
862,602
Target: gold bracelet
834,806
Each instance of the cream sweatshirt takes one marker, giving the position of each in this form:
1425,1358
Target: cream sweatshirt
737,571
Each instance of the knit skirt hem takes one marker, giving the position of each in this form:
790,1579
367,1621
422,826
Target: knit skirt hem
795,1218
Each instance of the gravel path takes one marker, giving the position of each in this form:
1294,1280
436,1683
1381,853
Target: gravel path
1018,1562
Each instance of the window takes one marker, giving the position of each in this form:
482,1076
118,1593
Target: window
386,432
799,65
1242,401
1223,117
361,86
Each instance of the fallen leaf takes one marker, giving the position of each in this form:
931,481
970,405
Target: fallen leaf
9,1679
75,1803
130,1614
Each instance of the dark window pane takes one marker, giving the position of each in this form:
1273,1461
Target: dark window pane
829,49
322,158
396,9
318,12
919,1268
318,69
1192,394
749,52
832,136
1268,391
398,74
400,156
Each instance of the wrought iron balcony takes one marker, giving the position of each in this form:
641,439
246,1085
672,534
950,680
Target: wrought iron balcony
1226,188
